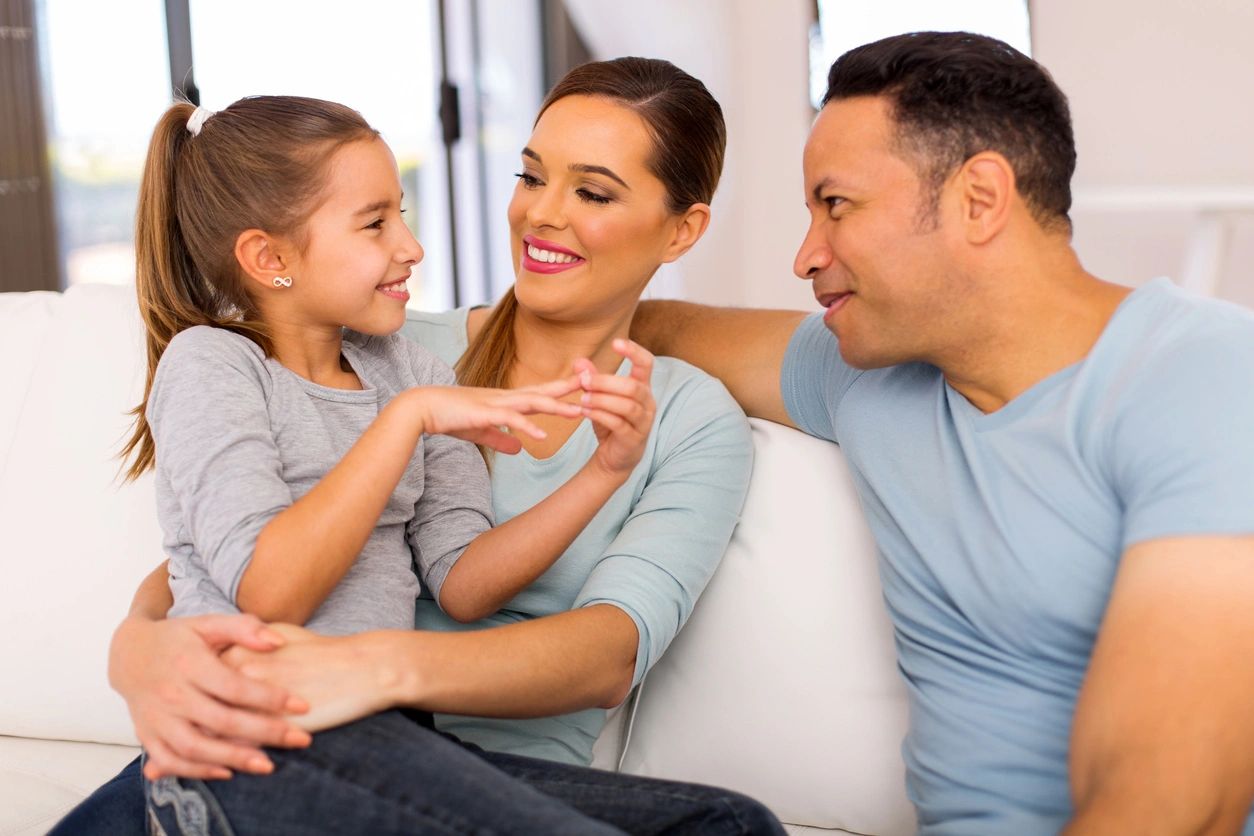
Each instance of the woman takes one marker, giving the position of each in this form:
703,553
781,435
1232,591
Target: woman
616,180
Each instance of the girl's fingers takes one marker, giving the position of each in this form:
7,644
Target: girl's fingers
627,387
495,439
515,421
559,388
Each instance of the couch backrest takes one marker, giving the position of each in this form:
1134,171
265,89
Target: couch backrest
783,685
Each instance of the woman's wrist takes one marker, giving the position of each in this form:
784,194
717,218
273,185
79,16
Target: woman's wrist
393,655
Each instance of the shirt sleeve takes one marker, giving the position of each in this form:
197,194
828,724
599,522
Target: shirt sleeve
1183,446
456,502
676,534
209,421
814,378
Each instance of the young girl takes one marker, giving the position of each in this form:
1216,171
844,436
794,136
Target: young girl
312,466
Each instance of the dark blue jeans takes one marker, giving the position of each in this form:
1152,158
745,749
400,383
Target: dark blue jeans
390,775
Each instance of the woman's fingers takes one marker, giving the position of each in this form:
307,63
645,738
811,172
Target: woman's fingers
629,409
640,357
530,403
161,762
559,388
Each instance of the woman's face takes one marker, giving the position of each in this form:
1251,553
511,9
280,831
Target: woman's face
589,222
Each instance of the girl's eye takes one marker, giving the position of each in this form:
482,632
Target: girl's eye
377,223
529,181
591,197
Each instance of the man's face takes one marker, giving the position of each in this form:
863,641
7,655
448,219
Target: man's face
880,262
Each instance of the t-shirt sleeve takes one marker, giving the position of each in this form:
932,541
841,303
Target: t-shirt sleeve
456,502
443,334
673,540
814,378
215,447
1183,447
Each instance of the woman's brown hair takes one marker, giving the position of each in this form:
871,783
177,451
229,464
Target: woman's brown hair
258,164
689,137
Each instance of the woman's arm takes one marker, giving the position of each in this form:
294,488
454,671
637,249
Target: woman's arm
545,666
501,562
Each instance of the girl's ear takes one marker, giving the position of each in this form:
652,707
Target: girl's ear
259,257
692,225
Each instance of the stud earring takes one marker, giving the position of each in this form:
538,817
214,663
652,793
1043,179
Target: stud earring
282,281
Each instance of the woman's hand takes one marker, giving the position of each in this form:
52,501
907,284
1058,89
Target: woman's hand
620,408
196,716
482,415
341,677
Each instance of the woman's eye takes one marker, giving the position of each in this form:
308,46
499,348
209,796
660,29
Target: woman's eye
529,181
591,197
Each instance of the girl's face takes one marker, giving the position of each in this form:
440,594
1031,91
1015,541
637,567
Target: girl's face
358,253
589,222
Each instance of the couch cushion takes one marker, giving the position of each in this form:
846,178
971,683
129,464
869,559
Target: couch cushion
76,541
784,683
42,780
24,320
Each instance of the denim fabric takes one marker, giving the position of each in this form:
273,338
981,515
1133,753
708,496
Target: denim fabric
387,774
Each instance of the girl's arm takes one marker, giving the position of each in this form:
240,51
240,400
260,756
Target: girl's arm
501,562
306,549
628,610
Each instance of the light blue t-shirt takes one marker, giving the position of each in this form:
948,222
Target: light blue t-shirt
1000,535
650,551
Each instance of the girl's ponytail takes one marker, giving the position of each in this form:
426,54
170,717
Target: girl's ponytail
171,297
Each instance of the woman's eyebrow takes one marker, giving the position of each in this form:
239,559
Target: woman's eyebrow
583,168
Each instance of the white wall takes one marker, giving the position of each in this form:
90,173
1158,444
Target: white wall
752,55
1162,96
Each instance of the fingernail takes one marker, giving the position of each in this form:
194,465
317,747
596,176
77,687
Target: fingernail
271,637
221,774
585,379
260,765
295,705
297,738
585,399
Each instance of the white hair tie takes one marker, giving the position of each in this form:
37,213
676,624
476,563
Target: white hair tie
197,120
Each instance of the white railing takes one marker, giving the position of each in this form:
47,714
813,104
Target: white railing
1213,210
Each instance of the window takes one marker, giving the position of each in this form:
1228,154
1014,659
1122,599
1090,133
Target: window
843,24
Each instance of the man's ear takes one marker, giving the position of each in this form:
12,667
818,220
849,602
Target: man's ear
987,181
691,226
260,256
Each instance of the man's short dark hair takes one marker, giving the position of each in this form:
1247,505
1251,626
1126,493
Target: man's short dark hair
955,94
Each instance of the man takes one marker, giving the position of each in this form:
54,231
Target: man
1059,472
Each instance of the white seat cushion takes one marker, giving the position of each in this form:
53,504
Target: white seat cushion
42,780
784,684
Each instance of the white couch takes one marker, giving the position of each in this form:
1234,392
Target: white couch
784,684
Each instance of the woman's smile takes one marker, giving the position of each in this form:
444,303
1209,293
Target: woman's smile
541,256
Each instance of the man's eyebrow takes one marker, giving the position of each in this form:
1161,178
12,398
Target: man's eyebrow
583,168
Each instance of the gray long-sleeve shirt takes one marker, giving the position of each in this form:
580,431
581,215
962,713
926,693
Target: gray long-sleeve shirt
239,438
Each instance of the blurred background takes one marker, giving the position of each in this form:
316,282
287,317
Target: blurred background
1162,96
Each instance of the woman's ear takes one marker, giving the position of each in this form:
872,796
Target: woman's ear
688,231
259,256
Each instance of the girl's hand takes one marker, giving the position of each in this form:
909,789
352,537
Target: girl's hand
620,408
195,716
338,676
482,415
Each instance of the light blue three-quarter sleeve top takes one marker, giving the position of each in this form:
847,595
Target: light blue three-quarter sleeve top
650,551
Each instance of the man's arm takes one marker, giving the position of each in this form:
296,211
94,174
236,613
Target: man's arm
744,348
1163,737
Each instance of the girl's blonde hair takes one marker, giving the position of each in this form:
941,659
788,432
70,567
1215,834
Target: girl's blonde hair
259,164
689,138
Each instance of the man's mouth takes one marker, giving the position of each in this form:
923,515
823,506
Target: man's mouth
833,302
